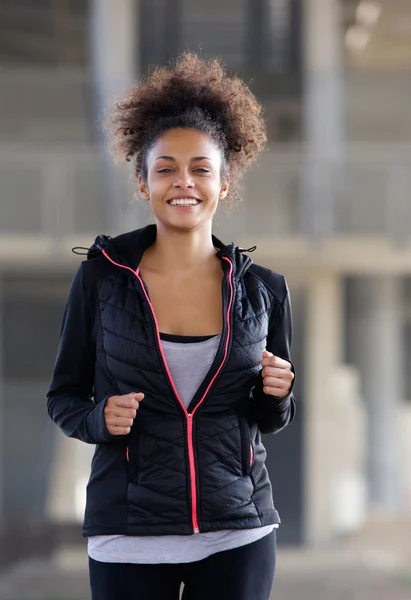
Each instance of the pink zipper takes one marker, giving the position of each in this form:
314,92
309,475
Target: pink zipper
189,416
192,473
251,455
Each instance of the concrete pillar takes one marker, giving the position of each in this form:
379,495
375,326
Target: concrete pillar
1,407
324,117
70,473
324,340
374,309
114,64
114,48
114,51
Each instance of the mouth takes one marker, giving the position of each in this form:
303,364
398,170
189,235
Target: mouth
184,201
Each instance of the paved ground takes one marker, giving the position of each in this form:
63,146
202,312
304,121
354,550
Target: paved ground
373,566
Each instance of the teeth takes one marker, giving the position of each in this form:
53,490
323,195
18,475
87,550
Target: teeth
184,202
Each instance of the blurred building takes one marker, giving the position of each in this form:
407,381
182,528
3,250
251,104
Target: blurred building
328,206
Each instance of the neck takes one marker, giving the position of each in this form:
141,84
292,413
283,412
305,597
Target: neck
182,250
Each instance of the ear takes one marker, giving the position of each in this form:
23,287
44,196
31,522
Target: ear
142,186
224,189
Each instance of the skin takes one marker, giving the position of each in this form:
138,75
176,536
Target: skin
181,269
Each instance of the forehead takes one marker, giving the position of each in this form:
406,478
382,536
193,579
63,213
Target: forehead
185,144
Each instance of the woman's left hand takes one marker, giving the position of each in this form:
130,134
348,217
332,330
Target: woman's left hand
277,375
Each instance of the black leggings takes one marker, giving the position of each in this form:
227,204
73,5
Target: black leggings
244,573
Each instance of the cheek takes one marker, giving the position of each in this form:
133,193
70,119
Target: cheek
155,183
214,184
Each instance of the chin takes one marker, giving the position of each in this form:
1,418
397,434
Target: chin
182,224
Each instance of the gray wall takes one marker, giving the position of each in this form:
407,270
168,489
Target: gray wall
31,306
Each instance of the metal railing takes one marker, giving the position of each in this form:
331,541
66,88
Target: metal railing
57,193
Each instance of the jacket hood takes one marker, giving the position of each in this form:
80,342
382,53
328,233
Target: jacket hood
128,249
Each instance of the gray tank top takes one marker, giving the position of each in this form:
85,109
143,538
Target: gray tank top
189,360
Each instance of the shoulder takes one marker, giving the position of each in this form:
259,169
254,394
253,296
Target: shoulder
275,283
94,270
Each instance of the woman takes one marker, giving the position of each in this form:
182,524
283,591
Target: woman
174,358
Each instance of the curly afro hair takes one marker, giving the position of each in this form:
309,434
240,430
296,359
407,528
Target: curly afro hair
190,93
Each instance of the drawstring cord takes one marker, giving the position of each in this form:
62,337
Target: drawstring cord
98,246
102,241
247,249
76,248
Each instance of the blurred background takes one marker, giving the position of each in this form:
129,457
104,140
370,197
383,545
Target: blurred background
328,206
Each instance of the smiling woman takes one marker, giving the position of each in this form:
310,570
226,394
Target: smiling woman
185,182
175,357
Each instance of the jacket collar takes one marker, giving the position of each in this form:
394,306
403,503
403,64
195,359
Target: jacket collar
128,249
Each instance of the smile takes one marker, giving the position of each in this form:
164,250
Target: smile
183,202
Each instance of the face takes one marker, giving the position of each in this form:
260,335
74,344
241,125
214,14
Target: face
184,184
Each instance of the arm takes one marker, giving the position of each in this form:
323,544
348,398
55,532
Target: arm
270,412
70,397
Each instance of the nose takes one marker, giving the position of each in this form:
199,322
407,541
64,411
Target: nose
183,181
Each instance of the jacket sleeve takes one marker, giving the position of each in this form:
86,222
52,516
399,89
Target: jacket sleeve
270,413
70,397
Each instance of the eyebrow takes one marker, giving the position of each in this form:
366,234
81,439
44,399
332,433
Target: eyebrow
193,159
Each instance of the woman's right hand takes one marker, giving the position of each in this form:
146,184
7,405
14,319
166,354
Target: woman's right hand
120,412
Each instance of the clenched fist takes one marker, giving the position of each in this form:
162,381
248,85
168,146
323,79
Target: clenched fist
120,412
277,375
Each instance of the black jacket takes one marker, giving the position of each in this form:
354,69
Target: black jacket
179,471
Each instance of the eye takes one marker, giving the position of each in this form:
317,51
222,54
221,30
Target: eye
202,170
165,170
